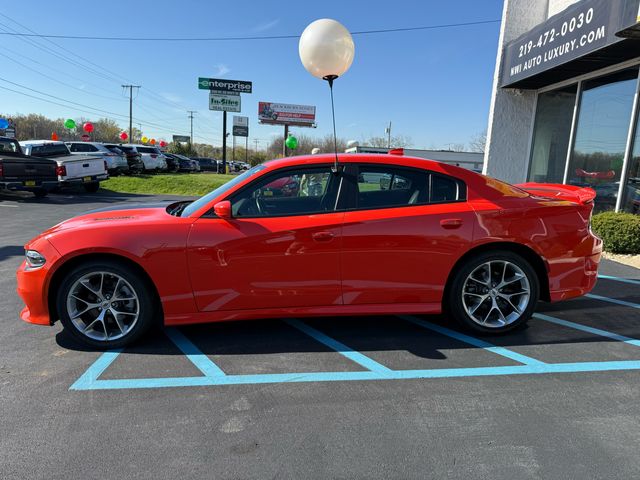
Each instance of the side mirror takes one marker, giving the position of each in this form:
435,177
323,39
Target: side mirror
223,209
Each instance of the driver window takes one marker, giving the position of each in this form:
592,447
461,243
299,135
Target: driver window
291,192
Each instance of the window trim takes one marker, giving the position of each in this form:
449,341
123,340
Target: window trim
267,178
354,171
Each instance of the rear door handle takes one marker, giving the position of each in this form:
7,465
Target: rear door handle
322,236
451,223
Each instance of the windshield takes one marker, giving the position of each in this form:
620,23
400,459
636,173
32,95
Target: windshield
202,201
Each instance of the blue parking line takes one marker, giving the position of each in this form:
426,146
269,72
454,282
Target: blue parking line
544,368
613,300
199,359
585,328
91,375
476,342
341,348
619,279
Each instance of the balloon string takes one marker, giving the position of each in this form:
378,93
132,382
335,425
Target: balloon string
333,116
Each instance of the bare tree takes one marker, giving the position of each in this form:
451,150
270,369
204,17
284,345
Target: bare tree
479,142
397,141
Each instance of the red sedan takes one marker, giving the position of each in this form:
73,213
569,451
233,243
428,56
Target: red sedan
380,234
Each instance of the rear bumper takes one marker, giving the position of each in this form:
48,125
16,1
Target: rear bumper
16,186
82,180
574,277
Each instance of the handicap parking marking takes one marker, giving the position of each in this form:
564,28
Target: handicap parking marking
587,329
476,342
199,359
619,279
339,347
613,300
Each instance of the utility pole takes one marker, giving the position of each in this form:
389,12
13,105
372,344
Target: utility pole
255,140
388,132
191,112
131,87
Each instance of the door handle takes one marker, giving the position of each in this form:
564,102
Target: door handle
322,236
451,223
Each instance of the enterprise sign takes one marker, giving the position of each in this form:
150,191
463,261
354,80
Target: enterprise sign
222,85
587,26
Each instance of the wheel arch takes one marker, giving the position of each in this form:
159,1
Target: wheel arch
71,263
537,262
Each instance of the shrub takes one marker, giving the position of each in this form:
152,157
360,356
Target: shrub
620,232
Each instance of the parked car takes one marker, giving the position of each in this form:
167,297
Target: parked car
73,170
446,239
187,164
152,157
208,164
134,159
22,172
173,162
116,162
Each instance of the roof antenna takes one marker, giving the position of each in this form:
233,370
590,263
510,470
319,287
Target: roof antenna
326,50
330,79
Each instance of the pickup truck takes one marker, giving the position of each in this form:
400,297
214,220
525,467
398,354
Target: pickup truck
22,172
84,170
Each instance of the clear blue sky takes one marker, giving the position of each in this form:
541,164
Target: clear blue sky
434,85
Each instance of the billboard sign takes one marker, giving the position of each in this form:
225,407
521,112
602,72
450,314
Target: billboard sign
240,126
224,103
286,114
181,138
223,85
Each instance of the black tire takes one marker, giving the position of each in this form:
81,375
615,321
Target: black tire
92,187
455,305
148,307
40,193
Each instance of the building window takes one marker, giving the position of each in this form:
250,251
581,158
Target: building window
631,192
601,135
550,145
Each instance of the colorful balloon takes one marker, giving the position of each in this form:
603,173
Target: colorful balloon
123,135
70,124
153,141
54,136
88,127
144,139
163,143
4,123
292,142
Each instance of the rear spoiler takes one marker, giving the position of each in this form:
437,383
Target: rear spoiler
556,191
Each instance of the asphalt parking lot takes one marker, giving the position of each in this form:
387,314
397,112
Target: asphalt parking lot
382,397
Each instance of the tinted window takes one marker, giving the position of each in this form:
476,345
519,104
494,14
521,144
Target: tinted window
148,150
380,187
49,150
290,192
126,149
443,189
82,147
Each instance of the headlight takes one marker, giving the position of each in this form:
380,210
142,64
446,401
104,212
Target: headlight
34,259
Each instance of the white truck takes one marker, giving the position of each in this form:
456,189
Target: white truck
73,170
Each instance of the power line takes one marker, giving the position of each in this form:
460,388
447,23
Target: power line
249,38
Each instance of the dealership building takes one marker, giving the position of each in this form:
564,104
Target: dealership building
564,106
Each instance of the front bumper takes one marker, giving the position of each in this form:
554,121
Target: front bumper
33,285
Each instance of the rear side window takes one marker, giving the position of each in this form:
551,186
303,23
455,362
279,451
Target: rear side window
148,150
82,147
390,186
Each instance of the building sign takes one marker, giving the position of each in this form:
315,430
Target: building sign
286,114
181,138
587,26
9,132
224,86
240,126
224,103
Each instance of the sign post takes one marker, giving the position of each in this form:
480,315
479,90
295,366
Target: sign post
224,96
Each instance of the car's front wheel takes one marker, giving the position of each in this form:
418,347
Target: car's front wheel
105,305
494,292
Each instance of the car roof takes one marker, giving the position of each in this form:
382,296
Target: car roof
41,142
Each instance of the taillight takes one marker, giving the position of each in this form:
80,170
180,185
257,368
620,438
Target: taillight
61,171
1,170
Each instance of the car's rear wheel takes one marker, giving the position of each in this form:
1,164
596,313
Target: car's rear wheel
105,305
494,292
40,193
92,187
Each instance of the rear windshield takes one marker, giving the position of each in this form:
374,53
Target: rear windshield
8,146
114,149
125,149
49,150
148,150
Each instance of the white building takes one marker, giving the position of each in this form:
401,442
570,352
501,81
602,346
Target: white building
565,104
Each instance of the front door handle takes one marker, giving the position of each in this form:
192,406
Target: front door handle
322,236
451,223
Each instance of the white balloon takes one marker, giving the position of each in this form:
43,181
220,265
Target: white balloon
326,48
315,151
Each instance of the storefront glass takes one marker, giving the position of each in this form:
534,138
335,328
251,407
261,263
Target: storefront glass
631,192
601,135
551,135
